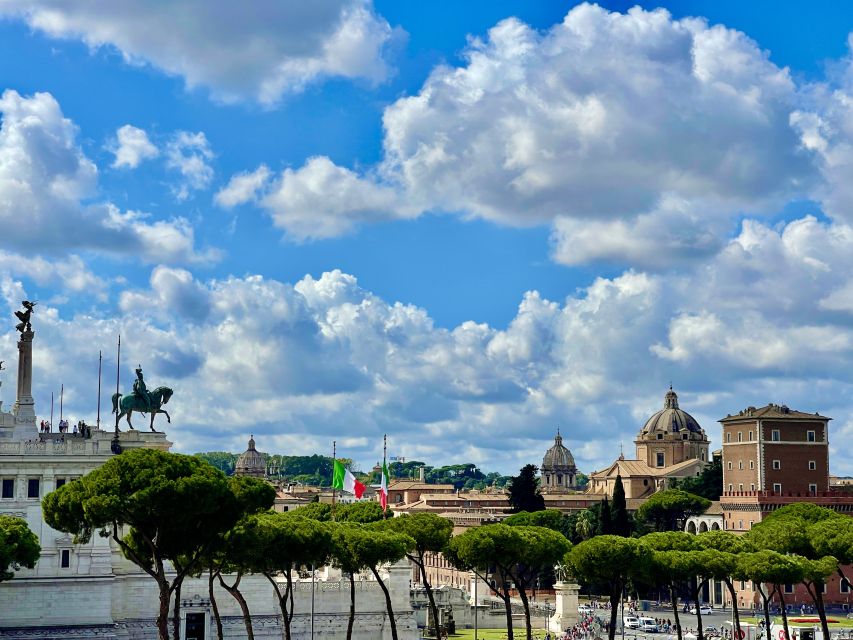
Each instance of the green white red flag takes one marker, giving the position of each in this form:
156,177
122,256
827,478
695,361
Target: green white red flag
344,480
383,487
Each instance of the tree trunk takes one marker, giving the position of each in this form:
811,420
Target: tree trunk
387,603
522,593
674,597
731,587
282,603
235,592
219,634
432,606
176,615
351,605
615,596
784,611
508,607
163,614
815,590
765,600
696,595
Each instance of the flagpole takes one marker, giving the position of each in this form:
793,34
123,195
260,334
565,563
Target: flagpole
118,374
100,363
312,601
61,394
382,479
334,457
51,411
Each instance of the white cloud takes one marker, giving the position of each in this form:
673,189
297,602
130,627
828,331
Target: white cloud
132,147
189,154
603,117
322,200
70,273
329,359
261,54
44,172
242,187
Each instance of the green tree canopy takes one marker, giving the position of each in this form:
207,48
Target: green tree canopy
19,546
668,510
610,560
708,484
524,492
157,506
620,520
361,512
430,533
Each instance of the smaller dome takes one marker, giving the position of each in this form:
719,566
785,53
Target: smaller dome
558,457
251,462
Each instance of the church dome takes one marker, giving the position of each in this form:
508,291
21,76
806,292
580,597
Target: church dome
251,462
671,419
558,456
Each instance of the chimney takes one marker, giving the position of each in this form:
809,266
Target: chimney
421,477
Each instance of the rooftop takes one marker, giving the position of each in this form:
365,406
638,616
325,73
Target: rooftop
775,411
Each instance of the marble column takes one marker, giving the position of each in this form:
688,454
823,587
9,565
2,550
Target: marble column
24,408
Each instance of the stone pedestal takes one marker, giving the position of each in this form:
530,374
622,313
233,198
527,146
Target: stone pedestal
24,409
566,614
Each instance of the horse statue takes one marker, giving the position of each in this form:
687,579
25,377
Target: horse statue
133,402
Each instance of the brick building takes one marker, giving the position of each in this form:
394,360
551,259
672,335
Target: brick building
775,456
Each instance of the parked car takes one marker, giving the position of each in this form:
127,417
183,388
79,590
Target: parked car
630,622
705,609
584,608
648,625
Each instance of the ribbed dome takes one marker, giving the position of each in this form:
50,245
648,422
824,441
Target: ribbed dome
558,456
670,419
250,462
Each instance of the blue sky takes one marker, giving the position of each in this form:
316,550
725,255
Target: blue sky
467,222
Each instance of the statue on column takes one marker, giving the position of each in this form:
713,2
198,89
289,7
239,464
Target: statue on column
24,316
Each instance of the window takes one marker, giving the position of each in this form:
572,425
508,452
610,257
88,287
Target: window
812,465
33,488
810,436
684,436
812,488
65,559
774,435
777,487
740,465
703,456
740,524
750,436
789,588
60,482
752,464
8,487
730,488
740,436
728,437
660,458
777,464
752,486
742,585
740,487
660,436
844,586
730,465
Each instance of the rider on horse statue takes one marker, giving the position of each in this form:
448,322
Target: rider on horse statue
140,390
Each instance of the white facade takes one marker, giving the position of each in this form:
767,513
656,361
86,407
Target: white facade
92,591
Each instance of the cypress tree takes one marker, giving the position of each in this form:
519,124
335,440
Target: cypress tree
619,510
605,524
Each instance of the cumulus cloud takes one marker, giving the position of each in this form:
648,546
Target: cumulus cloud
70,273
322,200
242,187
44,172
188,154
132,147
276,48
327,358
604,117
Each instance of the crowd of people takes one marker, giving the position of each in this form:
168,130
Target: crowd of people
80,428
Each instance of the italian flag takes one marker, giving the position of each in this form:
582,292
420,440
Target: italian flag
345,481
383,487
